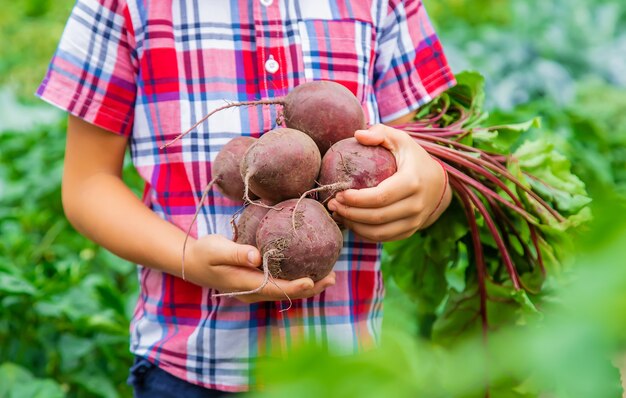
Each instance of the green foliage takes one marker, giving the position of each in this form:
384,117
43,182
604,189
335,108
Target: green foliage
560,60
30,31
436,267
447,13
18,382
570,352
65,303
552,176
542,51
591,132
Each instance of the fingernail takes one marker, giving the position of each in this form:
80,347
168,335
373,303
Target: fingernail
251,257
306,285
363,131
339,197
332,205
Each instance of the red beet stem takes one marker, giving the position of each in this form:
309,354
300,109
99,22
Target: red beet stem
488,192
496,236
535,239
481,268
463,117
452,156
419,129
506,226
439,115
458,147
487,163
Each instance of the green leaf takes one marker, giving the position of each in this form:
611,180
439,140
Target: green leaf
459,318
111,298
502,139
455,271
466,97
552,177
469,91
114,262
14,285
18,382
97,384
422,264
418,272
73,349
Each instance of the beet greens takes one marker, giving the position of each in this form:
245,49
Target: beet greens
516,200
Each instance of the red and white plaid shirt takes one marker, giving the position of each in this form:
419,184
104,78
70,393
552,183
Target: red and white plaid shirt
150,69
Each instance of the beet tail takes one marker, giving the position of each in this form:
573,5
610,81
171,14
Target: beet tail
277,101
266,278
205,193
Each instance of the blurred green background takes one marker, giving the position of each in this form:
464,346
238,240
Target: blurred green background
65,303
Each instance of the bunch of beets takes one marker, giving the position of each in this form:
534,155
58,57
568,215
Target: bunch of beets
287,175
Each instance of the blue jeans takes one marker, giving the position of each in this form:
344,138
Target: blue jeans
149,381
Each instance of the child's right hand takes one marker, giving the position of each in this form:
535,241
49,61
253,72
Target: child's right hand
216,262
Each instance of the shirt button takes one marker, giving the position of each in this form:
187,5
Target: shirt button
266,3
271,66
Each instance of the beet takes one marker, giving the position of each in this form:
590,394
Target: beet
280,165
248,223
226,167
326,111
355,165
311,250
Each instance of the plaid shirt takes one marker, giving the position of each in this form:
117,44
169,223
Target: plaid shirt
149,70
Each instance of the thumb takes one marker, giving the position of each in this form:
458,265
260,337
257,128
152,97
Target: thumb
375,135
227,252
385,136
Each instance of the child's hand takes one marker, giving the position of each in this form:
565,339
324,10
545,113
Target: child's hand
216,262
411,199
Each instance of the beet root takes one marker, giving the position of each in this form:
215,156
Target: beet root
355,165
326,111
248,223
310,251
282,164
226,167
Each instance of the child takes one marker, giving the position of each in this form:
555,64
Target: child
136,73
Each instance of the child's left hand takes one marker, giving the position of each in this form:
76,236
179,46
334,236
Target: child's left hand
411,199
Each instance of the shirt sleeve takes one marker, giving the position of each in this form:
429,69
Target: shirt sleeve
410,67
92,74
